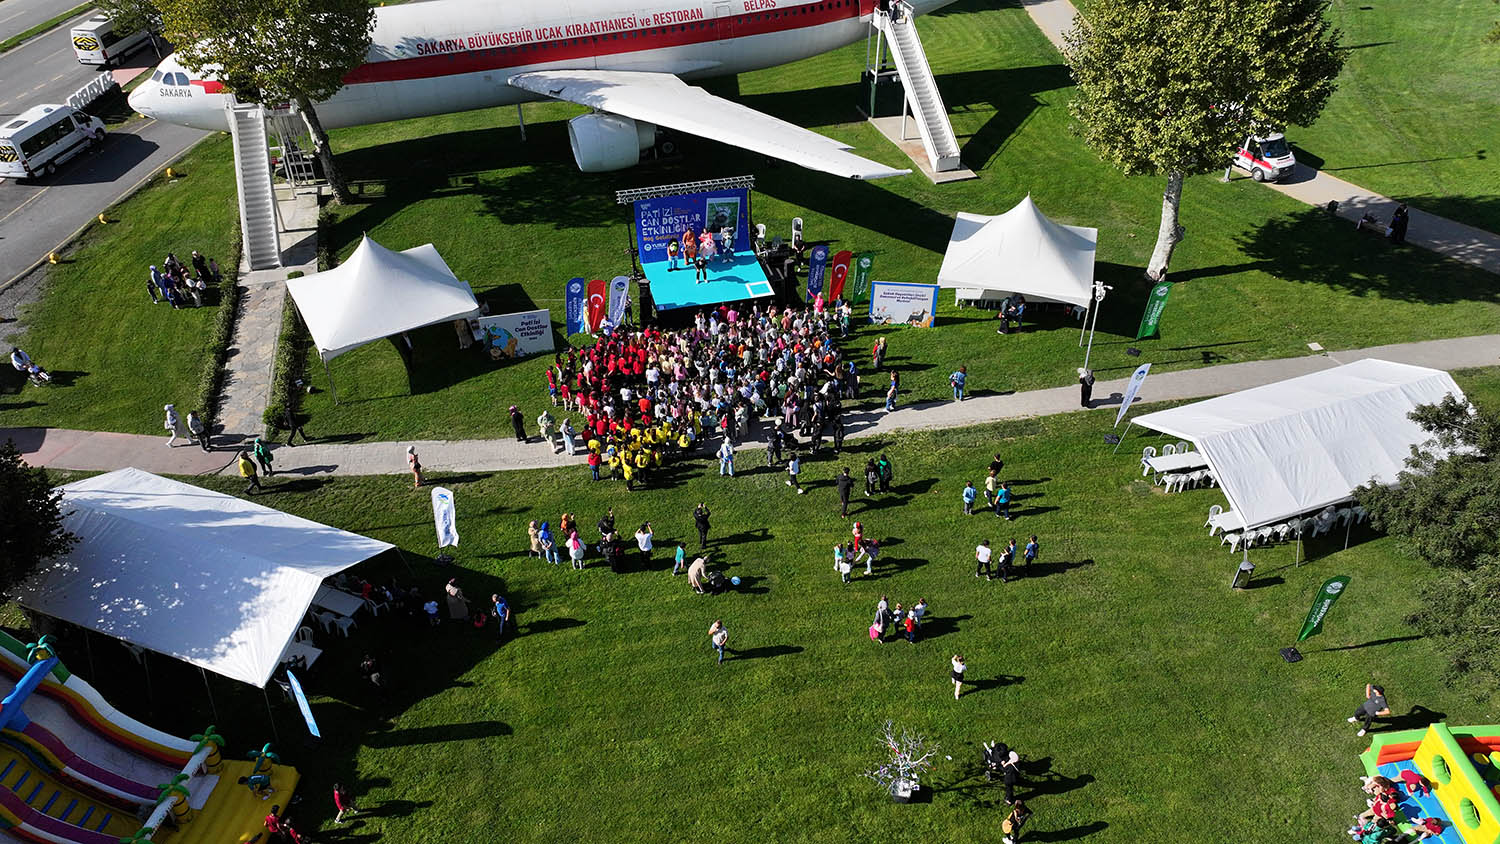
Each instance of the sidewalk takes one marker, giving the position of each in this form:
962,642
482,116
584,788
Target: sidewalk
1448,238
66,449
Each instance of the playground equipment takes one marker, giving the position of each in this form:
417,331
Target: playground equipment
1461,765
73,770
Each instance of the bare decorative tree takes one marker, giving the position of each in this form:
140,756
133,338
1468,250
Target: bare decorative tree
909,756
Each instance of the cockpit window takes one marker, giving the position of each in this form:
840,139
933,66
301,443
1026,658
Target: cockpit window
156,77
179,79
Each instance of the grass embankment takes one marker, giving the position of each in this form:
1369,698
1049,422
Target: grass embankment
115,357
1259,275
1132,680
28,34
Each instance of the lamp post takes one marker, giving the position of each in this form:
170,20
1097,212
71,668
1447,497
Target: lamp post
1099,290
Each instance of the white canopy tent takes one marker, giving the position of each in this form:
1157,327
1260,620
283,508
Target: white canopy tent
1298,445
377,293
207,578
1020,251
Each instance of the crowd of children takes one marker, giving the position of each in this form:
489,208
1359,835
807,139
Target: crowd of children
182,285
1380,823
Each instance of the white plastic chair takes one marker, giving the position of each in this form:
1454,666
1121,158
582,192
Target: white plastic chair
1232,540
343,623
1213,511
304,634
1344,516
1198,478
1282,531
375,606
1183,447
1213,480
1169,449
326,619
1171,481
1146,454
1321,526
1264,536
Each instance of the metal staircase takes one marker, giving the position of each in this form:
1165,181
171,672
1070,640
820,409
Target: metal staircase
921,88
252,172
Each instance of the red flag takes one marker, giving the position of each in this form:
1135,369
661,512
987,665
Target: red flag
840,273
598,296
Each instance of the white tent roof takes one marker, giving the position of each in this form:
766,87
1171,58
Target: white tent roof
208,578
1021,251
1299,445
377,293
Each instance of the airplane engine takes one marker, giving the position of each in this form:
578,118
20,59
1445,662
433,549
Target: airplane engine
603,142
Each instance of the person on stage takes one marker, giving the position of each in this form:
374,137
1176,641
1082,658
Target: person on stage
672,255
706,248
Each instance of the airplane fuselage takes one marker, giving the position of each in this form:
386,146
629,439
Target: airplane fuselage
442,56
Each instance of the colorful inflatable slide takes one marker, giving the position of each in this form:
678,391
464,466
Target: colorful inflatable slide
74,770
1462,766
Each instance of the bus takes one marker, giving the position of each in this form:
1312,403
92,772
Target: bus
96,42
42,137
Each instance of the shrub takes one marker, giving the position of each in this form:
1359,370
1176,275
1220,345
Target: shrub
216,348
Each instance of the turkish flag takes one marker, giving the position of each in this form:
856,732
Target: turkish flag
598,296
840,274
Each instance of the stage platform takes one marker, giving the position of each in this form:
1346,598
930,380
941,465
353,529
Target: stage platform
727,282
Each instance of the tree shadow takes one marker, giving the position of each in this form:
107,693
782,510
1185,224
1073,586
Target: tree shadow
438,733
766,652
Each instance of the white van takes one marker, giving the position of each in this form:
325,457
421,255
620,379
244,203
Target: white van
42,137
1265,159
96,42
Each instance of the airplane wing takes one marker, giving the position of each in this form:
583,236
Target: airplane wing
665,100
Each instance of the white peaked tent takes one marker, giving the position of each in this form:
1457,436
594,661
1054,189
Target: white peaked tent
1298,445
1020,251
207,578
377,293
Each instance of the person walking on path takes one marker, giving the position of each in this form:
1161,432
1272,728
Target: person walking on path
247,471
198,430
263,456
1374,706
957,380
726,458
415,464
701,514
872,477
1085,386
886,470
892,390
1014,822
679,561
1002,501
172,424
518,422
969,495
1033,550
544,425
982,553
343,801
958,675
292,426
844,483
720,639
793,469
643,542
1399,221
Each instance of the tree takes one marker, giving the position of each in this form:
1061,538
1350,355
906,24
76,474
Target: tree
1167,86
133,16
909,755
31,527
1445,508
278,51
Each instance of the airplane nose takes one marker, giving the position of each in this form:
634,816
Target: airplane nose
140,100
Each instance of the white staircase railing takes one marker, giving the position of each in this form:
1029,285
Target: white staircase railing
921,88
257,196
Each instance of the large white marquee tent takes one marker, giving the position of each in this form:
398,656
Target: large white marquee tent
1298,445
377,293
207,578
1020,251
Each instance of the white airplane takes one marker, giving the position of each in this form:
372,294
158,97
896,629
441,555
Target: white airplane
626,59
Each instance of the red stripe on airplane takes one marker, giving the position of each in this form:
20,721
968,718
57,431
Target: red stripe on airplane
633,41
209,86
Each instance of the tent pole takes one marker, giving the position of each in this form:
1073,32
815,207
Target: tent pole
269,714
1095,324
1128,423
409,569
521,121
1297,561
89,648
331,387
146,666
1348,526
211,707
1084,325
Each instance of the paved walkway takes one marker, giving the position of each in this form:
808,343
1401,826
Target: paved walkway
1448,238
252,353
66,449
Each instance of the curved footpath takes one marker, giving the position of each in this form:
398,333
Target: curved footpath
67,449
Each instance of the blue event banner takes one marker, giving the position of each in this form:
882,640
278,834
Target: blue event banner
664,219
817,267
312,724
576,308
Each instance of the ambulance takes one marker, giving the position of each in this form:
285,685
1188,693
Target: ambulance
1265,159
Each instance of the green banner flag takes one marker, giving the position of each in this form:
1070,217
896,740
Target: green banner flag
1332,589
1155,304
862,263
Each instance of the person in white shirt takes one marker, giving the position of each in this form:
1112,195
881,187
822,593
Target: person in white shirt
958,674
643,541
726,459
982,554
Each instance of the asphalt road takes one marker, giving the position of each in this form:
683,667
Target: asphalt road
35,216
17,16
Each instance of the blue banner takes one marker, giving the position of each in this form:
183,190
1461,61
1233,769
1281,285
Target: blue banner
312,726
619,292
665,219
817,267
576,309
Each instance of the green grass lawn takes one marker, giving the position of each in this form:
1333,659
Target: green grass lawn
115,357
1259,275
1137,686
